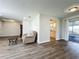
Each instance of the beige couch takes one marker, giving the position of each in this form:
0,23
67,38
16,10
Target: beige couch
30,38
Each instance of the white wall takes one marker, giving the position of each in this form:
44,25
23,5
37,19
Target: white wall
26,26
31,24
36,25
10,28
58,29
65,30
44,33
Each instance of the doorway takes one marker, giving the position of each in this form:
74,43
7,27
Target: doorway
21,30
53,28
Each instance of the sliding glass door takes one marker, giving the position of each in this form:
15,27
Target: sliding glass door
74,30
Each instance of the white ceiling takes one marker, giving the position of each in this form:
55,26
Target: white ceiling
24,8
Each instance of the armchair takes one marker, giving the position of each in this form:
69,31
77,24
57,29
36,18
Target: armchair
30,38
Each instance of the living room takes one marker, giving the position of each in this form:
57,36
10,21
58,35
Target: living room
26,31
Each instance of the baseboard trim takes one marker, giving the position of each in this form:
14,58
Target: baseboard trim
43,42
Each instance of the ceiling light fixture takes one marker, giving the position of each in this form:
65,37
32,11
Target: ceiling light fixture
73,9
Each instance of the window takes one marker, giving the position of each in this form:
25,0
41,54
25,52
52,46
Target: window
74,27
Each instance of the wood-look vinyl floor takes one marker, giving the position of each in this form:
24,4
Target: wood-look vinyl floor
62,50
